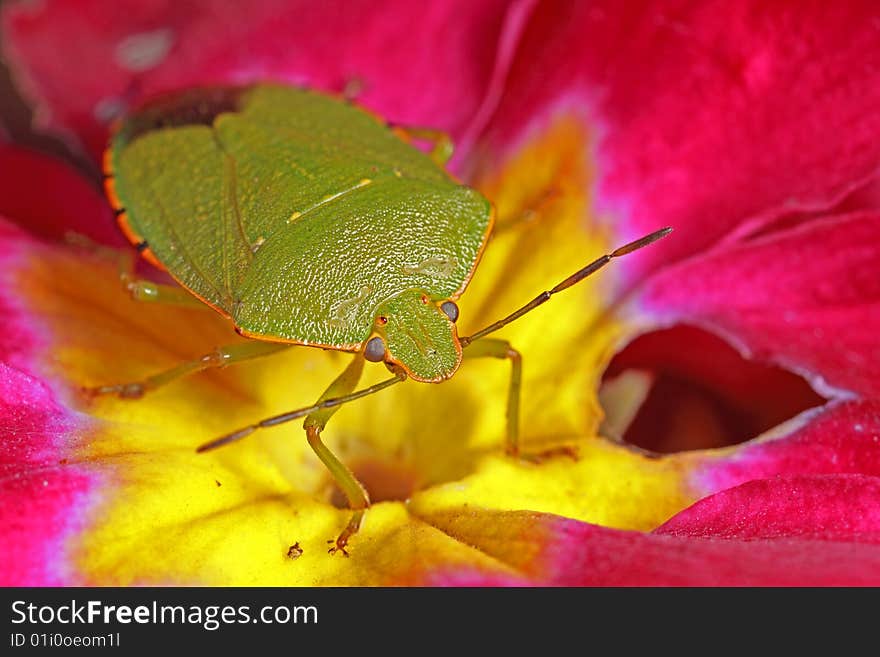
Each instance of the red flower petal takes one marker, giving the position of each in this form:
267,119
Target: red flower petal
716,116
49,199
807,299
825,507
418,64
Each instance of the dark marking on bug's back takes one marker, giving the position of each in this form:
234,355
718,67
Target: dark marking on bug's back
194,107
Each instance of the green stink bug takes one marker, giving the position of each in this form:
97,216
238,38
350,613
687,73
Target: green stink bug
306,220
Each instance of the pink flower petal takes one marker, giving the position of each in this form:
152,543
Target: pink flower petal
414,63
842,508
48,198
807,299
717,117
548,549
45,497
841,438
22,338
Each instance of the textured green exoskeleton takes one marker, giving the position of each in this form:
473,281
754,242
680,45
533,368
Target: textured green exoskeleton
307,220
296,215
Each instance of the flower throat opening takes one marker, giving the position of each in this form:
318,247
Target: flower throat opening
683,388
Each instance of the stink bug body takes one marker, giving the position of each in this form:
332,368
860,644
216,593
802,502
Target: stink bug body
306,220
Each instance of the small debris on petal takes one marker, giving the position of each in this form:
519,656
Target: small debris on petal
143,51
109,108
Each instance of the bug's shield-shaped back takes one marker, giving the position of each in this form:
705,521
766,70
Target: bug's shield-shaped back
419,336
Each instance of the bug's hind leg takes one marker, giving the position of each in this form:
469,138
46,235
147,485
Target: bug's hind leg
139,289
358,499
441,143
220,357
144,290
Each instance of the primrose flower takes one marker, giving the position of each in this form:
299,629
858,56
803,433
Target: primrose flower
704,411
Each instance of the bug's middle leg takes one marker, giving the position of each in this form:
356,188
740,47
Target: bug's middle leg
494,348
220,357
358,499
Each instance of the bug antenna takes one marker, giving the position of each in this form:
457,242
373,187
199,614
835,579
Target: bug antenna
244,432
576,277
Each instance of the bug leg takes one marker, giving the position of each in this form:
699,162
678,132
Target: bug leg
353,88
315,422
220,357
144,290
139,289
441,143
493,348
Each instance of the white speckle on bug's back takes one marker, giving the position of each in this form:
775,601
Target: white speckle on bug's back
437,268
145,50
343,312
858,427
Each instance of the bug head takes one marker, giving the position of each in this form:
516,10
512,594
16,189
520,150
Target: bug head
417,333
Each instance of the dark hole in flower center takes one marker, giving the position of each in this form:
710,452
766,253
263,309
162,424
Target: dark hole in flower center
683,388
384,481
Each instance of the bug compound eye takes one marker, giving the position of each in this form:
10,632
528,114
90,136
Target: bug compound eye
375,350
450,309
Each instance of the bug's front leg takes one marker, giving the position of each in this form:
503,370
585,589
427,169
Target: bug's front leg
493,348
358,499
